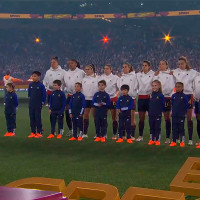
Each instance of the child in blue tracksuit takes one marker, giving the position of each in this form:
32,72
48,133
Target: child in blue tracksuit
57,103
179,110
76,111
125,104
37,98
101,103
11,103
156,107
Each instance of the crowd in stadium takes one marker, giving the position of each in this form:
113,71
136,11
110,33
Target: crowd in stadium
20,54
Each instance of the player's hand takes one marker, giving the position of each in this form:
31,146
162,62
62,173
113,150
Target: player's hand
50,111
70,116
171,72
118,110
100,104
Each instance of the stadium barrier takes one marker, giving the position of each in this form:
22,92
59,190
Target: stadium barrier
186,182
100,16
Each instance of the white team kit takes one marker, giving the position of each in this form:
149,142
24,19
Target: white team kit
130,80
196,86
111,84
72,77
145,82
167,81
90,86
186,77
52,75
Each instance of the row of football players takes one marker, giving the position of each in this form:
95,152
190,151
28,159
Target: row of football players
139,84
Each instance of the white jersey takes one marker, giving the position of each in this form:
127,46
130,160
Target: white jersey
111,84
186,77
167,82
89,86
145,82
196,86
52,75
72,77
130,80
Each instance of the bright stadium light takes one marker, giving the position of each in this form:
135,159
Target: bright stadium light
167,38
37,40
105,39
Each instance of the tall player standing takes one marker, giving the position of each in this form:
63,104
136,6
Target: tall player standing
72,76
186,75
145,78
54,73
89,88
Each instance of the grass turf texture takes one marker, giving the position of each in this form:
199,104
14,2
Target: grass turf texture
122,165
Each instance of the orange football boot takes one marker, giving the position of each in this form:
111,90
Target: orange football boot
73,139
80,138
157,143
151,142
129,141
59,136
51,136
7,134
103,139
173,144
182,144
98,139
119,140
12,134
32,135
38,135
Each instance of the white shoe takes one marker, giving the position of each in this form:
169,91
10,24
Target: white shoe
95,137
139,139
132,138
167,141
190,142
114,137
70,133
84,136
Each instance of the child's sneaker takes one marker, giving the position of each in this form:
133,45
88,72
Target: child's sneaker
32,135
59,136
80,138
84,136
98,139
139,139
119,140
38,135
157,143
173,144
182,144
151,142
7,134
167,141
190,143
197,144
51,136
132,138
72,139
114,137
103,139
129,141
178,141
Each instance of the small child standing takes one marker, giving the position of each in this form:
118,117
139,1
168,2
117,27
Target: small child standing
76,111
101,103
156,107
37,98
57,103
179,110
11,103
125,104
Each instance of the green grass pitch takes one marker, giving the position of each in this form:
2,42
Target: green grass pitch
122,165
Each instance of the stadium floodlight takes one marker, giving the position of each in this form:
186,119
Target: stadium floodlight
37,40
167,38
105,39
